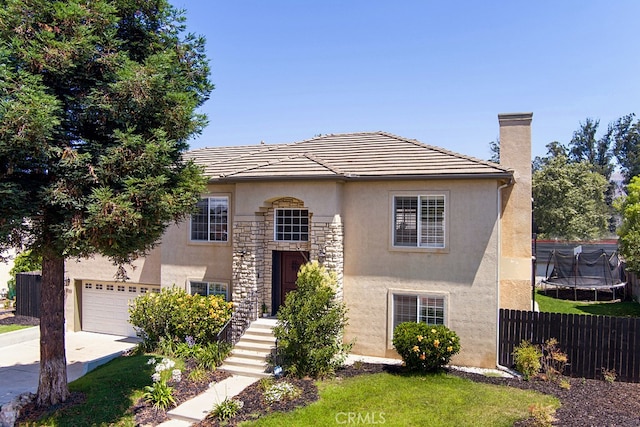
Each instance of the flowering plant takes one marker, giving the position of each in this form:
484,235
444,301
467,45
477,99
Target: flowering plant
425,347
160,394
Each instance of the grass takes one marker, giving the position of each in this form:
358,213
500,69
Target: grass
9,328
548,303
402,400
110,390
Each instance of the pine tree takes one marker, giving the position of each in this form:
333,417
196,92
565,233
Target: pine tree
97,101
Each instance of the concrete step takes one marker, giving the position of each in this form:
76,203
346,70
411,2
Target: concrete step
254,346
250,354
257,338
243,361
245,371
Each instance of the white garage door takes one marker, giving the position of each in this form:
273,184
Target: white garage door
105,306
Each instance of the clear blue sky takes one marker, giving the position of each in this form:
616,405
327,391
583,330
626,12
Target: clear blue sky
436,71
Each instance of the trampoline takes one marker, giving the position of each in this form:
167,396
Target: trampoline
580,270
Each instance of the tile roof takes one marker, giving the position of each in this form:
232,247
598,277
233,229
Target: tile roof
366,155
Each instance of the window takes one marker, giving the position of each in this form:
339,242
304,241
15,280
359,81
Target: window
209,288
419,221
210,222
292,225
428,309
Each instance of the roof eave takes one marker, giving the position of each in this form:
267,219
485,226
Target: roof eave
508,176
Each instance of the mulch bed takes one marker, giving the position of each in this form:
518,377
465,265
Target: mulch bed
11,319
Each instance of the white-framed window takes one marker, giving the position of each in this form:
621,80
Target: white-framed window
425,308
209,288
419,221
210,223
292,225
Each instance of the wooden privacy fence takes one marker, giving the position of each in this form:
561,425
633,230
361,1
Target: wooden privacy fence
28,294
592,343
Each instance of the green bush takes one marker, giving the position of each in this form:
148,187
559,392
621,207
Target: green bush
425,347
173,315
527,359
311,324
226,409
212,354
25,261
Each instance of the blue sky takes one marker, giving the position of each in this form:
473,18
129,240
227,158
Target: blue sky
439,72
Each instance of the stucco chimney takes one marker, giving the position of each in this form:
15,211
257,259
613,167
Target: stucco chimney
515,263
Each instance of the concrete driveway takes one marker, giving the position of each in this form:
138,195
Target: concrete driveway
20,357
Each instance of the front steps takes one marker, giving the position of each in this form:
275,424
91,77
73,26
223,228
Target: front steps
249,356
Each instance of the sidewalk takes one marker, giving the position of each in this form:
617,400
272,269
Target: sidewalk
20,357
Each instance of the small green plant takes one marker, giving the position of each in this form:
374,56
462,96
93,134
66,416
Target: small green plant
425,347
357,365
212,355
265,383
160,394
282,390
311,324
564,383
197,374
527,359
541,415
609,375
227,409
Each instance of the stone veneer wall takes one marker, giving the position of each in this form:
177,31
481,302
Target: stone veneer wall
253,243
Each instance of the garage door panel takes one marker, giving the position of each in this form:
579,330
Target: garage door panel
105,306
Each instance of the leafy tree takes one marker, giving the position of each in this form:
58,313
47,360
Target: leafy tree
598,152
311,324
97,101
554,149
494,147
25,261
626,136
569,200
629,231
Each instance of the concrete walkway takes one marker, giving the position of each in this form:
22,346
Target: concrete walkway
20,357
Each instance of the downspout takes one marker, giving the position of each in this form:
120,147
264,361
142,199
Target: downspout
499,257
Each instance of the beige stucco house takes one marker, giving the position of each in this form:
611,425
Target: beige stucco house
414,233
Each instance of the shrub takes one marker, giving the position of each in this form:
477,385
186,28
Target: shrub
25,261
553,360
527,359
212,355
311,324
174,314
227,409
425,347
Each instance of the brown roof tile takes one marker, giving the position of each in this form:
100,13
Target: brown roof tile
366,155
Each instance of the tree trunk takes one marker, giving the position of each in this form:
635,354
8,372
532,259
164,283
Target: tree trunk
52,386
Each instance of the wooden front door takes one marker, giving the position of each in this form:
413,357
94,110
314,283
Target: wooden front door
290,263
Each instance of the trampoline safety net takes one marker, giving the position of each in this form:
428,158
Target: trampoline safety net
585,270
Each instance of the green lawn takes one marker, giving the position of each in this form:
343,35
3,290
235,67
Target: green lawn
110,390
404,400
9,328
548,303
